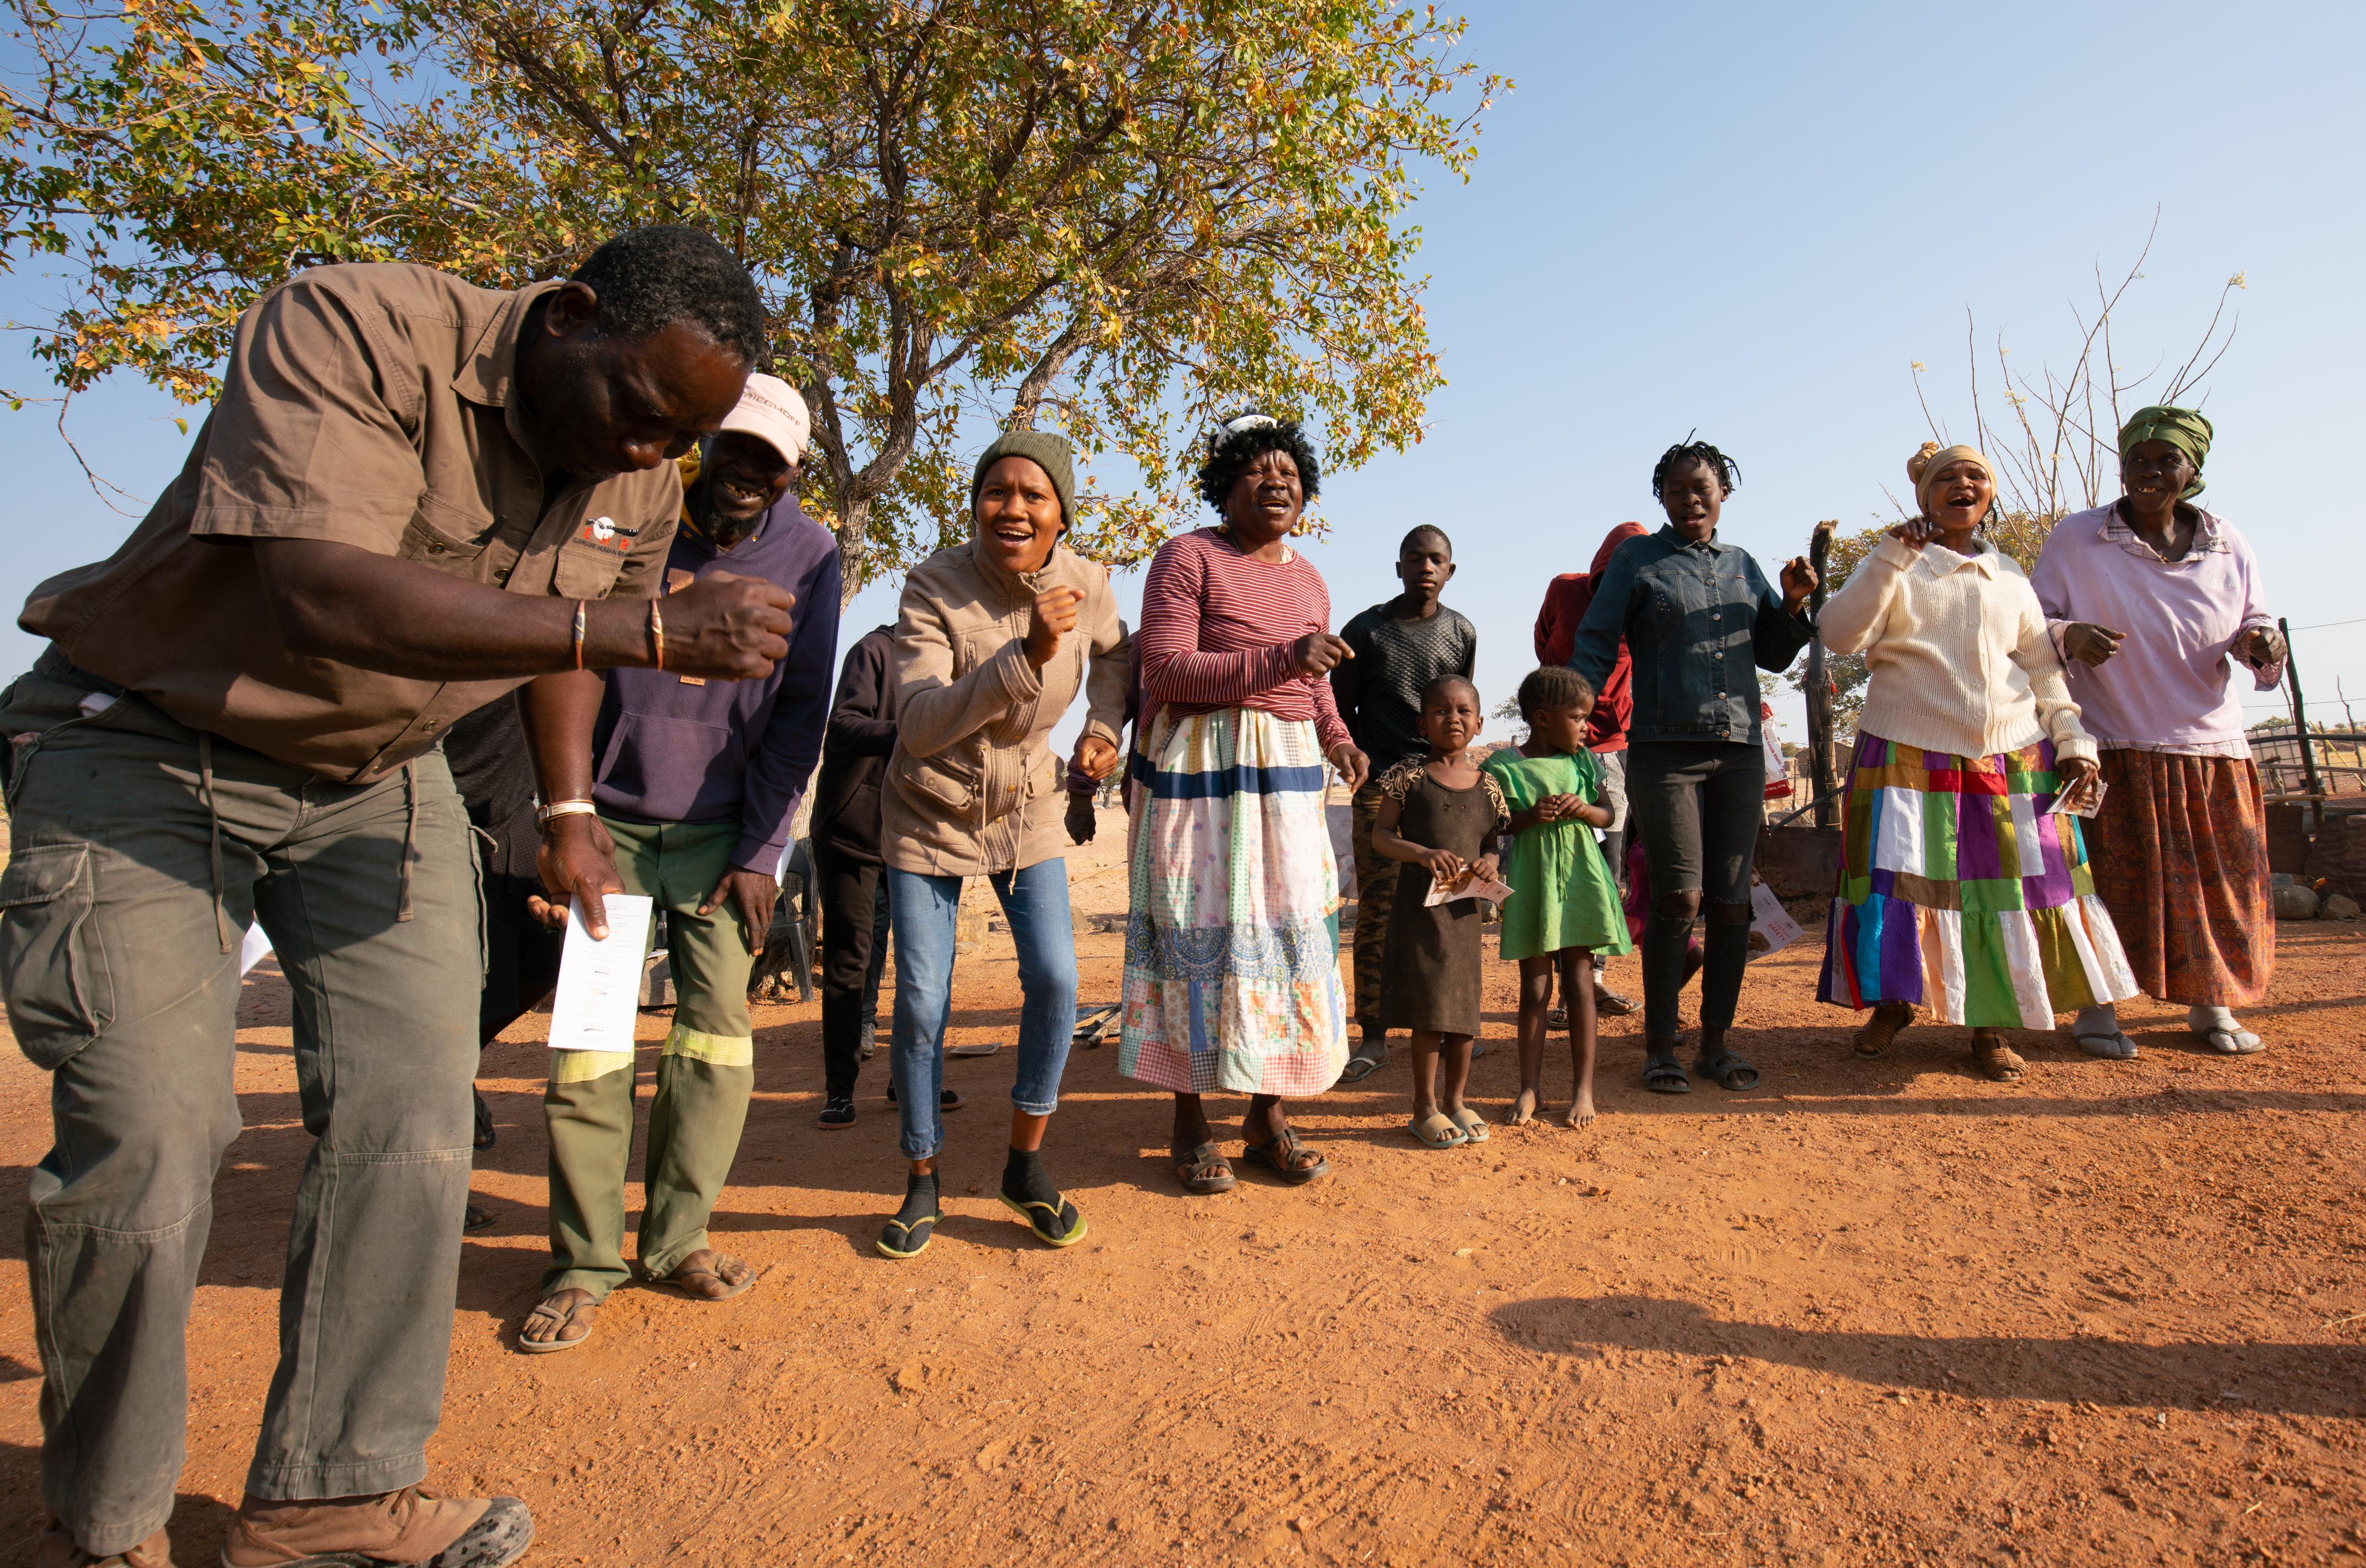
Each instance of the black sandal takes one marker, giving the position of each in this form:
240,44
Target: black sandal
1053,1224
1665,1075
901,1238
1204,1170
1726,1070
1281,1156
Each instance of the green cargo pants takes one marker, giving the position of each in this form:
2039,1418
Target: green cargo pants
705,1072
139,851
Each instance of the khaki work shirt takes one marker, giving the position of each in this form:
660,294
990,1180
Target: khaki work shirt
373,405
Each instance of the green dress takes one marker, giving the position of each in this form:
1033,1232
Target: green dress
1561,891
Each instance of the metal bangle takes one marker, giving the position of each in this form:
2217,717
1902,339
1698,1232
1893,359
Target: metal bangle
544,815
656,636
579,633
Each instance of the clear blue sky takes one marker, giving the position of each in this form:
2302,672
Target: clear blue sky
1751,220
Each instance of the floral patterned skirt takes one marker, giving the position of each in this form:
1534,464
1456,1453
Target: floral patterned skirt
2180,847
1232,947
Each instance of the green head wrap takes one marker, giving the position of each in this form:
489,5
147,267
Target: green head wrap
2184,429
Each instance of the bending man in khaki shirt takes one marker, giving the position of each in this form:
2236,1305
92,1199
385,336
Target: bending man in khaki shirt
412,497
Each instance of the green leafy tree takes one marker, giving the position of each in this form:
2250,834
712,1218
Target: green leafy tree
1114,217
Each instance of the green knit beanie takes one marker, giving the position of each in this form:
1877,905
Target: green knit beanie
1048,452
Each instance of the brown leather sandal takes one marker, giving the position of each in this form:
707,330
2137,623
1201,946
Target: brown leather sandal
1880,1032
1995,1060
1202,1170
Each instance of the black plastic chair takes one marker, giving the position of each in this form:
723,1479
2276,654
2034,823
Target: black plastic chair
796,931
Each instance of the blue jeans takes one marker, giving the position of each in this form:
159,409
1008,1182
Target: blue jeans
923,908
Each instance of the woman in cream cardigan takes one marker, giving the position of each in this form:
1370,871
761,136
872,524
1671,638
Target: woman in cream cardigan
1963,891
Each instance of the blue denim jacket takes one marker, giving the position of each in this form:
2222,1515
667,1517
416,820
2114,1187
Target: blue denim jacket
1700,620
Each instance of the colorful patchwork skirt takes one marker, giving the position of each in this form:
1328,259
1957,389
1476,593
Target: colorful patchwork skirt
1232,948
2180,847
1959,895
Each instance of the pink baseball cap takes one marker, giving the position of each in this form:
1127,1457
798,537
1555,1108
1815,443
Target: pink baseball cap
772,411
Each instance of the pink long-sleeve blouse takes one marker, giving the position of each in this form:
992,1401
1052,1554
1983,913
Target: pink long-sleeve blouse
1217,625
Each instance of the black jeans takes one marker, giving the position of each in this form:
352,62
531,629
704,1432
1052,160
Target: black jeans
1698,804
853,958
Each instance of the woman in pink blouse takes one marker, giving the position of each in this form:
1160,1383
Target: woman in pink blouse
2156,602
1231,949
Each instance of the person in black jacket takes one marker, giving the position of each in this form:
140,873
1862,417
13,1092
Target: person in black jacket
854,750
494,773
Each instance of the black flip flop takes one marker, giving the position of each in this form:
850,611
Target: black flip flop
1723,1068
1665,1075
1360,1067
1278,1156
947,1099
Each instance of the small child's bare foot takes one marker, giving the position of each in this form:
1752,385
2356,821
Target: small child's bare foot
1581,1114
1524,1110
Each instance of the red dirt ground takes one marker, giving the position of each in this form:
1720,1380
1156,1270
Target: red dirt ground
1873,1312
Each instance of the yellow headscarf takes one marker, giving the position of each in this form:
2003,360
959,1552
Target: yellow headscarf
1925,466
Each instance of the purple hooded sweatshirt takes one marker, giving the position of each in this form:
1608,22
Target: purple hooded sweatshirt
672,748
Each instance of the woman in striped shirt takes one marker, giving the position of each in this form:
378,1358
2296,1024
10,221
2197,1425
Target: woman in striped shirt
1231,950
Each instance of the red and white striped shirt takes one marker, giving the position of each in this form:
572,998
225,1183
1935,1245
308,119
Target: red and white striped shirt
1217,625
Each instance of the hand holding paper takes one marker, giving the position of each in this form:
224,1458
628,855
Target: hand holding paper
1468,886
599,982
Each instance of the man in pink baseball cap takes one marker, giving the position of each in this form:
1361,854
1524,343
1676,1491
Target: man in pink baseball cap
693,783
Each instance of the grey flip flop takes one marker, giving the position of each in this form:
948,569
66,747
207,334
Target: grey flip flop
563,1317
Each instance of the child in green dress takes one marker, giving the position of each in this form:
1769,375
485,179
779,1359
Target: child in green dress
1564,906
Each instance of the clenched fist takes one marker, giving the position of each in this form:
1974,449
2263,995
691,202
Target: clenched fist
2088,643
1798,582
1317,652
1055,617
727,625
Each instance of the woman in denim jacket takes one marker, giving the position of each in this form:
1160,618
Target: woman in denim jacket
1700,620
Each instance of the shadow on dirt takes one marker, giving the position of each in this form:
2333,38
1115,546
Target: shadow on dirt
197,1526
2289,1379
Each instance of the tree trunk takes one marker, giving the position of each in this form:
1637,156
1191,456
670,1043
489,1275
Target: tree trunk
854,550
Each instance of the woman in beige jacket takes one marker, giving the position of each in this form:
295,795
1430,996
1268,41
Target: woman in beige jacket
1964,890
994,639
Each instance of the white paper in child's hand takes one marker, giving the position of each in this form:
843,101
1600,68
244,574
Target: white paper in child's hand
599,982
1772,929
1469,887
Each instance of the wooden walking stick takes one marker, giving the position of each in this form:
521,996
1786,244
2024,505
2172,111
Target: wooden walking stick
1819,687
2300,725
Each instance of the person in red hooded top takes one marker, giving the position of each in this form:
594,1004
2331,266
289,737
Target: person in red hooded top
1606,732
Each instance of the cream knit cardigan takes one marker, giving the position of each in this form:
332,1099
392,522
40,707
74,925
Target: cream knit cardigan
1960,659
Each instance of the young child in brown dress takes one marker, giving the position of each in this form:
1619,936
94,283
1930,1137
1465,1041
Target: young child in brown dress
1440,817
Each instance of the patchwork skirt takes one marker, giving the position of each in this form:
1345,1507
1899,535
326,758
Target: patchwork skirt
1960,895
2180,847
1232,945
